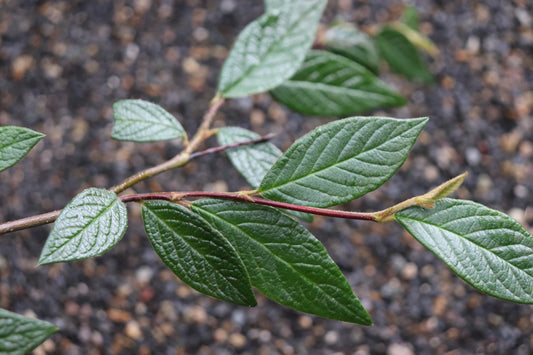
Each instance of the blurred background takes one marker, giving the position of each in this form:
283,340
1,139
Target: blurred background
64,63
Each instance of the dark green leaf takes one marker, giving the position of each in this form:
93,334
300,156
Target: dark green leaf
199,255
91,224
346,40
253,161
488,249
341,161
270,49
410,18
285,262
15,143
331,85
401,55
20,335
143,121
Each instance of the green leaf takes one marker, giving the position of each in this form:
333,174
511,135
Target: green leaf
284,261
488,249
15,143
91,224
199,255
410,18
19,335
331,85
143,121
341,161
270,49
253,161
402,56
346,40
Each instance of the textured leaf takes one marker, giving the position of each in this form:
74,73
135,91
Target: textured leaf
346,40
19,335
15,143
270,49
199,255
341,160
285,262
143,121
488,249
331,85
253,161
401,55
91,224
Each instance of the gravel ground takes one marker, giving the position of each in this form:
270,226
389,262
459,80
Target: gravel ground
63,64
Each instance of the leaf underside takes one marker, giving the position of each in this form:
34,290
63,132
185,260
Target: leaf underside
331,85
143,121
19,335
270,49
284,260
15,143
253,161
341,161
488,249
91,224
199,255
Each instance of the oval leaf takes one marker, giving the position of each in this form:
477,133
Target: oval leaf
15,143
143,121
270,49
199,255
253,161
346,40
284,261
341,161
331,85
19,335
488,249
401,55
91,224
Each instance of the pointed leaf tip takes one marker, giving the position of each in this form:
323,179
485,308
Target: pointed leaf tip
284,260
15,143
341,161
91,224
486,248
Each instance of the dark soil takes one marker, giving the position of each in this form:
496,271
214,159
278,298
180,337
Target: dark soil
63,64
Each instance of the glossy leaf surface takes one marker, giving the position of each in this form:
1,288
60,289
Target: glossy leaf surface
15,143
91,224
346,40
401,55
19,335
285,262
488,249
341,160
270,49
143,121
331,85
199,255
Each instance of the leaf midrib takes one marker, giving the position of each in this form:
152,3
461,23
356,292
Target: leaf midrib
471,242
283,261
